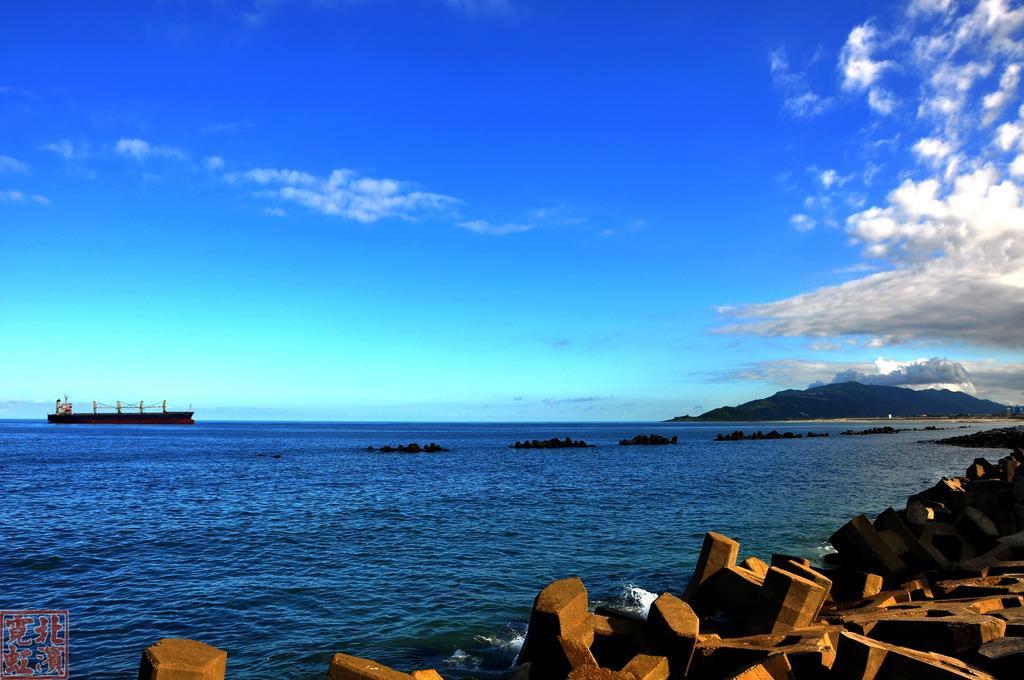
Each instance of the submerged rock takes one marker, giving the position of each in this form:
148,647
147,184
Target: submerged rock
1000,438
648,440
739,436
409,448
554,443
874,430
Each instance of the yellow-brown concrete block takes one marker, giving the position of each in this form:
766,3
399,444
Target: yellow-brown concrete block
755,565
598,673
181,659
674,627
859,545
733,590
787,601
811,574
428,674
775,667
560,610
348,667
861,658
577,653
717,552
647,667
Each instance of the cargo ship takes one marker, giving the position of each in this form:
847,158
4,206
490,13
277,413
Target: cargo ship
120,414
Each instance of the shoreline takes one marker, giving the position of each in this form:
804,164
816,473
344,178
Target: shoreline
903,419
933,589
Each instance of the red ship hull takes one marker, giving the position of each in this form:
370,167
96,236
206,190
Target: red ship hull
169,418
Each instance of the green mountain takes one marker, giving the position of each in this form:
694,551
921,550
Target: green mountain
852,400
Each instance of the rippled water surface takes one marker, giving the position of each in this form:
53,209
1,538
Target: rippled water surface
416,560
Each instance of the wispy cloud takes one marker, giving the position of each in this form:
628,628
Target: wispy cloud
67,149
344,193
556,403
140,149
213,163
8,164
802,222
15,196
798,99
503,229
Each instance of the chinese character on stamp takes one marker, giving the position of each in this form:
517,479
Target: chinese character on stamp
34,644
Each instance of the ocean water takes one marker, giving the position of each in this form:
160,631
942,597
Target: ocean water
416,560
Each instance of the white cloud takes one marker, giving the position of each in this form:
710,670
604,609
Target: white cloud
802,222
932,149
922,374
68,149
140,149
485,227
1017,166
798,99
859,70
881,100
344,194
275,212
8,164
953,236
1008,135
214,163
994,103
928,6
15,196
987,378
830,177
137,148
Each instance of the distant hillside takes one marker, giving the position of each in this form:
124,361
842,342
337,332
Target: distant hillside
852,400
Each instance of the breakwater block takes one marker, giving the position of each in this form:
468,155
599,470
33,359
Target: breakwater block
859,543
429,674
182,659
945,633
348,667
1004,658
863,658
788,601
577,653
648,667
755,565
810,652
598,673
731,591
852,585
674,625
559,611
717,552
775,667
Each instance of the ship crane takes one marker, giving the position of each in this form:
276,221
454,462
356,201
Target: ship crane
120,405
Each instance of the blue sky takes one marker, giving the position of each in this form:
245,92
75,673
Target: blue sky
505,210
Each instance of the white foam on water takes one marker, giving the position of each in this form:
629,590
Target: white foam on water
460,658
511,642
640,599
